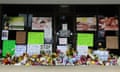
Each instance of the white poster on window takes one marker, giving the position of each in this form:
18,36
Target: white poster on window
48,33
33,49
62,49
63,41
4,34
82,50
102,55
47,48
20,49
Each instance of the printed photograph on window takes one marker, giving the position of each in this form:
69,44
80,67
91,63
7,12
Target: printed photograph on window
86,23
39,23
108,23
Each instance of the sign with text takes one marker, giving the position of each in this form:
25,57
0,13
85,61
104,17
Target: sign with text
8,47
46,48
35,38
4,34
85,39
20,49
33,49
102,55
82,50
63,41
62,48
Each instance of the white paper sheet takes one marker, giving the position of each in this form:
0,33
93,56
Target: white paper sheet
33,49
20,49
82,50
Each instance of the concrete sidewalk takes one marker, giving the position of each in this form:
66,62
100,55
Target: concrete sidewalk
11,68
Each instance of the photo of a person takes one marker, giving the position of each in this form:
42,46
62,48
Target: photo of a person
86,23
108,23
38,23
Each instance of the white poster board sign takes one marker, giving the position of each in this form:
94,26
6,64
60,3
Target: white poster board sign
47,48
33,49
48,33
4,34
20,49
62,48
62,40
102,55
82,50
